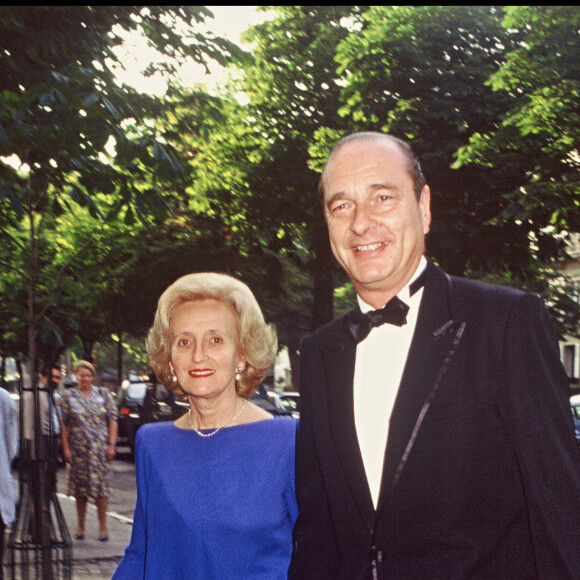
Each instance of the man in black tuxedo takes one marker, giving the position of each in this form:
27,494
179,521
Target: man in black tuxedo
437,444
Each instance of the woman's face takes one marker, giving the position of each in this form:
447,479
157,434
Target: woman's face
204,348
84,378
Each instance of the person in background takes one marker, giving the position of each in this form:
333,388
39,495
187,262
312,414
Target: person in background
88,417
49,381
50,378
8,451
436,439
215,489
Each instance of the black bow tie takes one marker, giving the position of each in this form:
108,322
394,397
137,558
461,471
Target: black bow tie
395,311
360,324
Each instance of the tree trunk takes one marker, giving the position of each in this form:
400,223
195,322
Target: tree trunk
323,265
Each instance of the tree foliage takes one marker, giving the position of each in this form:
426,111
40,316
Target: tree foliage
537,138
107,196
70,134
293,89
319,72
254,164
420,72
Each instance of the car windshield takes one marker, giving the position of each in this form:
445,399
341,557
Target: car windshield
135,391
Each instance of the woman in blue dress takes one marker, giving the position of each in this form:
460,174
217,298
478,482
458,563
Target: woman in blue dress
215,489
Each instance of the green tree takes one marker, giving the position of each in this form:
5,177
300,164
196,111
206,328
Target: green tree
62,112
423,73
420,72
294,90
533,147
537,138
253,165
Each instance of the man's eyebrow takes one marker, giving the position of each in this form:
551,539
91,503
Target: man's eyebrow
333,198
372,188
379,186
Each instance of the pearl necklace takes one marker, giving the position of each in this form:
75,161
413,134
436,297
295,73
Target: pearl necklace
217,428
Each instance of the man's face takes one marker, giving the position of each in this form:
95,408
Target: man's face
55,377
376,225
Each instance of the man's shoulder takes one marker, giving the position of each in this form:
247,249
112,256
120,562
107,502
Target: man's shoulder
478,290
462,285
488,304
330,330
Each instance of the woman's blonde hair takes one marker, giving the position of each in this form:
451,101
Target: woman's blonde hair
258,343
84,364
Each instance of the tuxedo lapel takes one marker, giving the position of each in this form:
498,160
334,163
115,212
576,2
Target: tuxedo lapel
339,359
437,333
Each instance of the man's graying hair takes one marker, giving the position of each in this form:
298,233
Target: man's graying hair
413,165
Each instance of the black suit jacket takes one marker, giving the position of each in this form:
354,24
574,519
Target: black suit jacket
481,476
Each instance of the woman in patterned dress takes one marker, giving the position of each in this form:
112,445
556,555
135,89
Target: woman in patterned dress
89,435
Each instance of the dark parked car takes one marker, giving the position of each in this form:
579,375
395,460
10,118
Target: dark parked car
575,406
144,402
260,400
289,401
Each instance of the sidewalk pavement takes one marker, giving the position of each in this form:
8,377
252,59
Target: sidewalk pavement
94,560
91,559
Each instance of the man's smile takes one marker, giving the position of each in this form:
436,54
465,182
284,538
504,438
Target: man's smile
370,247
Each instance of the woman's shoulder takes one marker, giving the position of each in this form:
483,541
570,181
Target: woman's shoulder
152,434
155,430
278,439
281,426
68,393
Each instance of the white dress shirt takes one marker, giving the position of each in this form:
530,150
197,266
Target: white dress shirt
380,360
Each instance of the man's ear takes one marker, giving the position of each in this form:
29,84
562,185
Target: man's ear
425,205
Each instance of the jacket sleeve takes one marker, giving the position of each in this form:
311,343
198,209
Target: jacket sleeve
535,410
314,555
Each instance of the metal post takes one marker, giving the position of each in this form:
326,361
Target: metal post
39,544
